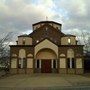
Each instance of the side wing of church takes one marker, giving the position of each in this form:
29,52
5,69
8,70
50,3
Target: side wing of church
46,50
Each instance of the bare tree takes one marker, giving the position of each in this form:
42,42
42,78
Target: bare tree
4,49
84,39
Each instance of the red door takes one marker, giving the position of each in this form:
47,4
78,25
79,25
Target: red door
46,66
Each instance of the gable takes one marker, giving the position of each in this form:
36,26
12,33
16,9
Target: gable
46,44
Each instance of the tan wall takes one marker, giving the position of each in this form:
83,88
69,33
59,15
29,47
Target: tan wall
79,63
14,63
28,40
46,54
62,63
64,40
46,44
29,63
73,40
70,53
22,53
56,26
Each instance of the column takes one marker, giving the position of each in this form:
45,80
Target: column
70,62
56,63
52,63
39,63
35,63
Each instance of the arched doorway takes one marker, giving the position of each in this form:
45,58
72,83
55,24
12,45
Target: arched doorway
46,60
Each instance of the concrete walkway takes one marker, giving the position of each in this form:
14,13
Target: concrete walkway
44,82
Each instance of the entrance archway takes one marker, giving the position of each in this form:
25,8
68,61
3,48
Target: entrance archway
46,60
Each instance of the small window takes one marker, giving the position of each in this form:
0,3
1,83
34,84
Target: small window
37,63
56,27
46,28
54,63
23,41
37,41
68,62
69,40
73,64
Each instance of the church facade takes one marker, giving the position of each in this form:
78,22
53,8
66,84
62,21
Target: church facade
46,50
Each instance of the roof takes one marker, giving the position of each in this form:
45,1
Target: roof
24,35
50,27
47,22
69,35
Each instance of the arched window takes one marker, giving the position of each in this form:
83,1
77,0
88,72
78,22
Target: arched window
70,58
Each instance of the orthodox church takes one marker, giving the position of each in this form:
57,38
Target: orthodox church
46,50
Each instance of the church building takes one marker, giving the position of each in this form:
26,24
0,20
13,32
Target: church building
46,50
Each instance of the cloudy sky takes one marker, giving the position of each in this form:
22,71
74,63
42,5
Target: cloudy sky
17,16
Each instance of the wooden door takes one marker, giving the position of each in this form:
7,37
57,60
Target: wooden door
46,66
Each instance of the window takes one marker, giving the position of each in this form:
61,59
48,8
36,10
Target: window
56,27
70,63
73,64
37,41
38,63
22,63
69,40
46,28
23,41
54,63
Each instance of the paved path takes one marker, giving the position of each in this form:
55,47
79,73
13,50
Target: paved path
44,81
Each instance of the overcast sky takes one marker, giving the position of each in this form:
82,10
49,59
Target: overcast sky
17,16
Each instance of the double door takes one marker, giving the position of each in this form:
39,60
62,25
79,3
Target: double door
46,66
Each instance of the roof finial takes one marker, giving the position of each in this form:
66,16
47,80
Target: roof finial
46,18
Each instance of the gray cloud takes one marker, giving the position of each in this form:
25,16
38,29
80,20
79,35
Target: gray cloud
78,14
18,15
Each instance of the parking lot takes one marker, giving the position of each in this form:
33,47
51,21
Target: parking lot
44,82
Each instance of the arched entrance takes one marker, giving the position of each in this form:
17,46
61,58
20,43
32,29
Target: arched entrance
46,60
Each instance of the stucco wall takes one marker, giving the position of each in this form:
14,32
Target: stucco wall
46,44
70,53
79,63
46,54
14,63
62,63
22,53
29,63
28,40
64,40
